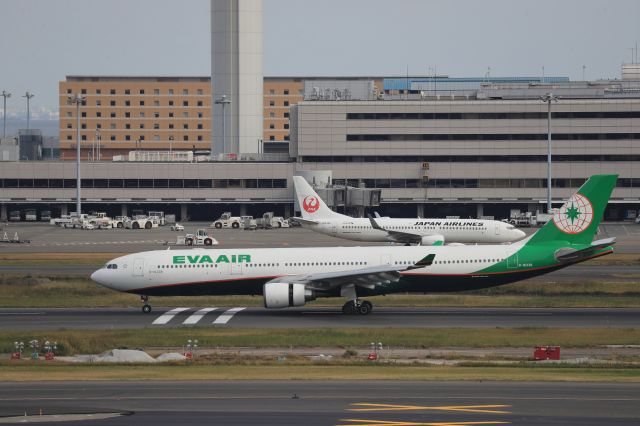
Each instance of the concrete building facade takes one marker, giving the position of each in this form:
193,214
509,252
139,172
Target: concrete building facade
478,154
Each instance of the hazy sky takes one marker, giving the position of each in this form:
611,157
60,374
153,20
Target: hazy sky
42,41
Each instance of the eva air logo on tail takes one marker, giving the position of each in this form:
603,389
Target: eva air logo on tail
575,215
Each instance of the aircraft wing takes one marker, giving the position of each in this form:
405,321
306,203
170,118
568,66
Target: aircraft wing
304,221
572,255
397,236
370,277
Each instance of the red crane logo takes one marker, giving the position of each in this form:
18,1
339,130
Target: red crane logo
310,204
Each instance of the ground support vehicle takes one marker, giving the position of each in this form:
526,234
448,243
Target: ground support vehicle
200,238
159,216
268,221
141,223
30,215
228,221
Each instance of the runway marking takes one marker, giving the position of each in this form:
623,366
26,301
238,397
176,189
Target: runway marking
197,316
163,319
224,318
367,422
463,408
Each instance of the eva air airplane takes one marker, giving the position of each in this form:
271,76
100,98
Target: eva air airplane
292,276
427,232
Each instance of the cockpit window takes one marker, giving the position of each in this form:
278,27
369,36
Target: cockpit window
112,266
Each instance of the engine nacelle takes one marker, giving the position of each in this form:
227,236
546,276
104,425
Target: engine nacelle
432,240
285,295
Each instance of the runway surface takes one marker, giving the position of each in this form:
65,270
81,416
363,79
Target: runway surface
309,317
330,403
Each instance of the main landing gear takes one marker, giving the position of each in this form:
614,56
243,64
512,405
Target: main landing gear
357,307
146,308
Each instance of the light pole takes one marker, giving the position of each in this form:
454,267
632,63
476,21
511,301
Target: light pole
78,100
222,101
98,138
28,96
548,98
5,95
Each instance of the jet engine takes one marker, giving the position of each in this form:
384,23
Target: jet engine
285,295
432,240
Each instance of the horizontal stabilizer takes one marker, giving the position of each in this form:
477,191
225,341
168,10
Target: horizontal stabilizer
572,255
304,221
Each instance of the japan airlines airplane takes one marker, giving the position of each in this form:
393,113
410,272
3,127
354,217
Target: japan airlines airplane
292,276
427,232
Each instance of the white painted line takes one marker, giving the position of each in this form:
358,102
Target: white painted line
224,318
194,318
163,319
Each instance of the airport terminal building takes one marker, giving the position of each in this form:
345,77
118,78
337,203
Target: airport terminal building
434,146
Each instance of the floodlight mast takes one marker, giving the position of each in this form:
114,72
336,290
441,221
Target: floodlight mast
222,101
548,98
77,100
28,95
5,95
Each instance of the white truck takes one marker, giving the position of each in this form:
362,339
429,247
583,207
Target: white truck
200,238
268,221
100,220
522,219
30,215
159,216
141,222
228,221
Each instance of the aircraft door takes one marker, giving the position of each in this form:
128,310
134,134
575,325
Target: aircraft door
138,267
334,228
385,259
512,261
236,269
497,229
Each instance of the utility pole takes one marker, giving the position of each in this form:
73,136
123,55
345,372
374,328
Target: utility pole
28,96
548,98
77,100
5,95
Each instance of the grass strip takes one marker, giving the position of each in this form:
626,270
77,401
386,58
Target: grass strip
54,371
96,341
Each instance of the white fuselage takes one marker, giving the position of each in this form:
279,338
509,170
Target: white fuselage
170,268
465,231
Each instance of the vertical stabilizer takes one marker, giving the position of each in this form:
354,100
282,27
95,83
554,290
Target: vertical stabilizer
311,205
578,219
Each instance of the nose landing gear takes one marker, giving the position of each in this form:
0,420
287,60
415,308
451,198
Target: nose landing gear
357,307
146,308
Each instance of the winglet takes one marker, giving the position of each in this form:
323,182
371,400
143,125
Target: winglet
374,224
425,261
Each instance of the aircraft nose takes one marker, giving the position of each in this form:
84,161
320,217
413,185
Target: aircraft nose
520,234
97,276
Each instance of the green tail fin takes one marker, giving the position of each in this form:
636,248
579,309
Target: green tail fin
577,220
